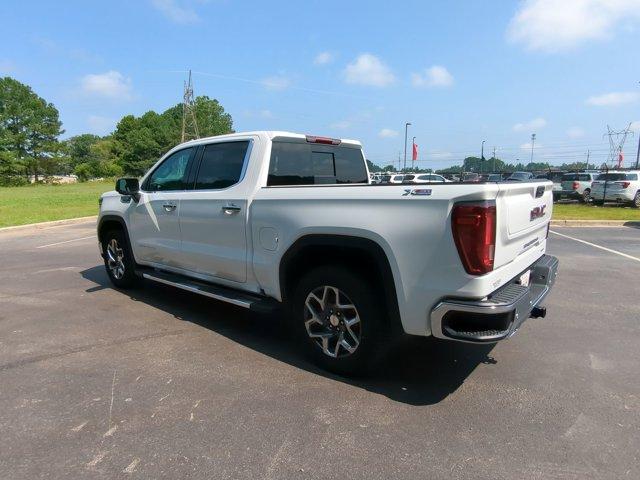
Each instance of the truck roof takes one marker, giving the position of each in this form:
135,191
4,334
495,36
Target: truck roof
271,134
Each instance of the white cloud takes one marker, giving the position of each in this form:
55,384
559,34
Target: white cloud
100,125
323,58
527,146
111,84
340,125
176,12
387,133
435,76
575,132
553,26
276,82
534,124
613,99
368,70
635,126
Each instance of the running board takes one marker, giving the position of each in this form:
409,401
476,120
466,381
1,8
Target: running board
253,302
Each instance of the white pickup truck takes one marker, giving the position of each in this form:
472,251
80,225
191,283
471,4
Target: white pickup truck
281,220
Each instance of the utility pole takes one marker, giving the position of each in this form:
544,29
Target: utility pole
189,123
406,129
638,154
399,161
533,141
588,153
494,159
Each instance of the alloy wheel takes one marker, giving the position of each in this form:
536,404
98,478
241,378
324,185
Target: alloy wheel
115,259
332,321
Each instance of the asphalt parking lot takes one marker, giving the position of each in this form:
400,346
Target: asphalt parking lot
159,383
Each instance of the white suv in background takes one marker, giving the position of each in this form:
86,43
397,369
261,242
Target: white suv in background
424,178
623,187
577,186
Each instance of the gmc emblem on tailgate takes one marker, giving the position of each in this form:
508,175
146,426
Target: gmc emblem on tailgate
537,212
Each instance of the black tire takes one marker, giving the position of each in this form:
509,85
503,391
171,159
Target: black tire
372,327
586,196
126,277
636,200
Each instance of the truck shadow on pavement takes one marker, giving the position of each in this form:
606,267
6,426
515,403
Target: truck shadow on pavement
417,371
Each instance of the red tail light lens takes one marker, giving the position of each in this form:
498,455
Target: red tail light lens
576,185
474,232
625,184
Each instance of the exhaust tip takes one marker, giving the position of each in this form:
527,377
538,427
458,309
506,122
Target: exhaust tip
539,312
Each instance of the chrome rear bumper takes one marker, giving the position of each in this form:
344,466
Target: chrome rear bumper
501,313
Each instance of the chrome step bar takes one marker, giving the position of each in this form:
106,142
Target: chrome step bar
228,295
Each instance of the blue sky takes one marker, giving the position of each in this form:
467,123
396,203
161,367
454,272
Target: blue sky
460,72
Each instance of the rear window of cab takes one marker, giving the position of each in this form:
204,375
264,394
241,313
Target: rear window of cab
315,164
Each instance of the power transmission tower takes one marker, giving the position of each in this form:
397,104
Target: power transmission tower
189,122
616,143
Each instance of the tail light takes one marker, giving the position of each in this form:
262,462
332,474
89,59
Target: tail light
474,232
625,184
576,185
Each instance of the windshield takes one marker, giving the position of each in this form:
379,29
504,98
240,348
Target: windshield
520,175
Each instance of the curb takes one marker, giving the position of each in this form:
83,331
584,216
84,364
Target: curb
595,223
53,223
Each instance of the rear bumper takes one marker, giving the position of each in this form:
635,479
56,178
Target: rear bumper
501,313
615,196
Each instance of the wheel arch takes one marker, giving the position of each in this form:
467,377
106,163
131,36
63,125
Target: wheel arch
113,222
360,253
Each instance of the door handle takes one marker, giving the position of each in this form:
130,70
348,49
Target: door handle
231,209
169,207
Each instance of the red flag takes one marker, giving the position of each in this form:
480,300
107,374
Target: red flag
415,151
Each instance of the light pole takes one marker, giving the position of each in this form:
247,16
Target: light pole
533,142
406,129
482,154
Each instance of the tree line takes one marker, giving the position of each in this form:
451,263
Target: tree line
31,146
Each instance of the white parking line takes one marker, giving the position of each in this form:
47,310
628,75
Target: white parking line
597,246
66,241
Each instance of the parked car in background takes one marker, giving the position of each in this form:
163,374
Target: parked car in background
491,177
576,186
520,177
425,178
470,177
622,187
391,178
556,178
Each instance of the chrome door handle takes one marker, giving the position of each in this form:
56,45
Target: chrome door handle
231,209
169,207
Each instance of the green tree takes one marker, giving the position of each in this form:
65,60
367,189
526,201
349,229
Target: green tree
140,141
29,129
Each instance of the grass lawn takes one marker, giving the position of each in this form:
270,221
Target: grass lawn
41,203
578,211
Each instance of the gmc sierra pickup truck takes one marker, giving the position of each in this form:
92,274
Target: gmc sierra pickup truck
280,220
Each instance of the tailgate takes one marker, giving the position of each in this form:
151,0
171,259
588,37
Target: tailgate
524,210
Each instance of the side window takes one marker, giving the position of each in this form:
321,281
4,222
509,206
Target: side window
172,172
312,164
221,165
632,176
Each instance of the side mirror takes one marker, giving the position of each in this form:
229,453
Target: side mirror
128,186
